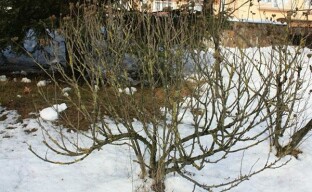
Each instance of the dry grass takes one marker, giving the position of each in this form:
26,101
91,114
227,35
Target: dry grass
13,96
28,100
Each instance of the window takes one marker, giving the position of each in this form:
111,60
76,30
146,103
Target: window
309,3
160,5
275,4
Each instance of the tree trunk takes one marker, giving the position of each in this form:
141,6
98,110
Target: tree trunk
296,138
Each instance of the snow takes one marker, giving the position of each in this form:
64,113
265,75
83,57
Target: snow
51,113
65,94
3,78
112,169
25,80
128,91
96,88
21,171
42,83
66,89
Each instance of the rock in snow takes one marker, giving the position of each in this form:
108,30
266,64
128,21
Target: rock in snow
51,113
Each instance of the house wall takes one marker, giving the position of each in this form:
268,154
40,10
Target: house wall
260,10
160,5
269,10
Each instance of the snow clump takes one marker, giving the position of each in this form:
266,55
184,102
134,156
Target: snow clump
3,78
25,80
128,91
42,83
65,91
51,113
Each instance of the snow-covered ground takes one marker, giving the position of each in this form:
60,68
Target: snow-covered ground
112,169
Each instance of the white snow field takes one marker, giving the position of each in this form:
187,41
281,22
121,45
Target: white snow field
112,169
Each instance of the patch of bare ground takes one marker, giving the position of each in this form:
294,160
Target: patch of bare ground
27,98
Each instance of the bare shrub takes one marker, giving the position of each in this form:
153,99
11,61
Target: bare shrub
233,100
